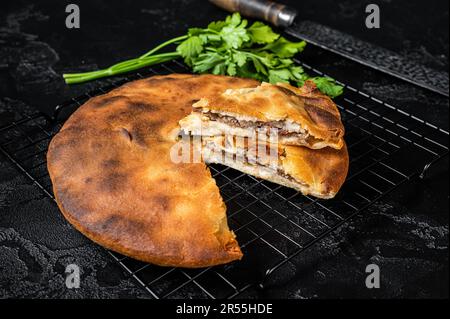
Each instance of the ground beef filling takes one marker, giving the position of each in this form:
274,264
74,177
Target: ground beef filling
255,161
258,124
243,123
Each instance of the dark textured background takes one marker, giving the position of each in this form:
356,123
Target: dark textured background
406,234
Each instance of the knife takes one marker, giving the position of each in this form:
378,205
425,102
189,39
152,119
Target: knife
343,44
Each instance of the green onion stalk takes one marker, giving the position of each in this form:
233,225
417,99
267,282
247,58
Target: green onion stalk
149,58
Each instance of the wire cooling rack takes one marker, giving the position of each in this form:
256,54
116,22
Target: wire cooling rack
274,224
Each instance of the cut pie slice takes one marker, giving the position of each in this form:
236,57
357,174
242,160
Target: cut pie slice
320,172
301,116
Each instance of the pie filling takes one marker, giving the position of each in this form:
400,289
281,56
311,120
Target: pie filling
240,156
292,131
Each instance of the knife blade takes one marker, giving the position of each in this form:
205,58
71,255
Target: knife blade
340,43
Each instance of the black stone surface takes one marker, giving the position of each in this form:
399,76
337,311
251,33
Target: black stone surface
406,233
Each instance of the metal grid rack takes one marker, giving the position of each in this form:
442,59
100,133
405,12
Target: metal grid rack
274,224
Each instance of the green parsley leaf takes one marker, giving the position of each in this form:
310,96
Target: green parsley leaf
207,61
195,31
281,75
328,86
190,48
234,19
297,72
261,33
231,69
259,67
234,35
248,71
298,75
240,58
285,48
219,69
216,25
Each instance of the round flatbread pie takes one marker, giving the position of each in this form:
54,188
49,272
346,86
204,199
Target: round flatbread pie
114,180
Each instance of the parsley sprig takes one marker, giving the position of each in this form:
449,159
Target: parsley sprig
229,47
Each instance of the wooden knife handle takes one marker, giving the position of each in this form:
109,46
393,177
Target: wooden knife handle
272,12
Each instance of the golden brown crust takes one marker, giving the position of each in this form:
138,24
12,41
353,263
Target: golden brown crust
306,106
114,180
324,170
